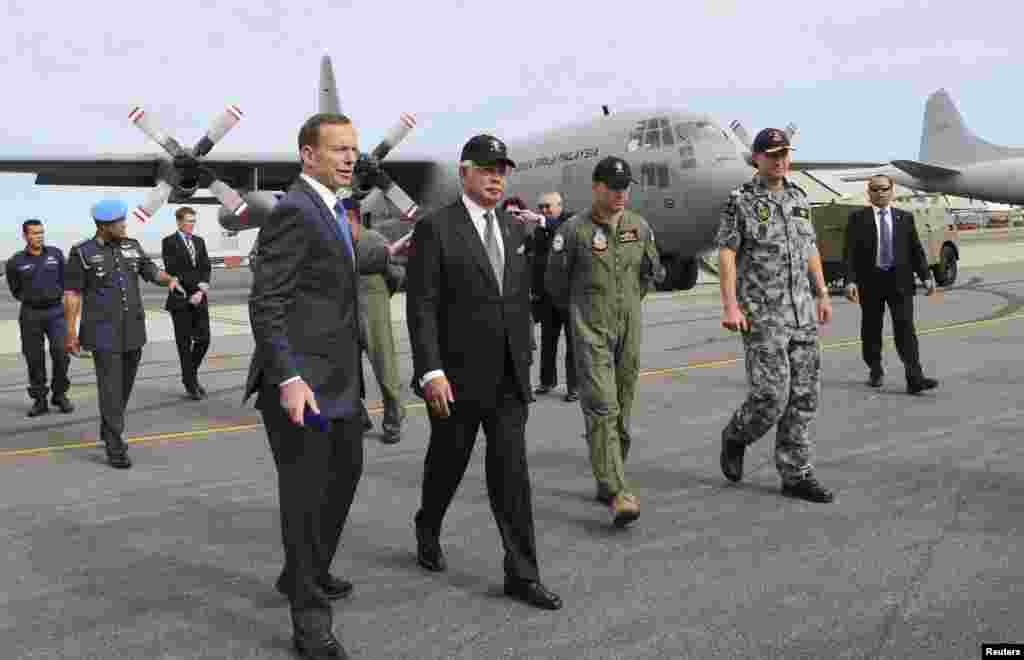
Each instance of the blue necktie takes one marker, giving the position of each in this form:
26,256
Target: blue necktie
346,230
885,240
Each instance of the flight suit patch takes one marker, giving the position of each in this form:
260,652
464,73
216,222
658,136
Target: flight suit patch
130,253
96,258
629,236
763,211
600,242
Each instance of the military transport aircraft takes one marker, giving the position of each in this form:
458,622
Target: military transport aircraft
686,165
953,160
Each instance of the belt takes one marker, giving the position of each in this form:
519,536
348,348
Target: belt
41,305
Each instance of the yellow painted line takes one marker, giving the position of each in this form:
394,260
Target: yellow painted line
710,364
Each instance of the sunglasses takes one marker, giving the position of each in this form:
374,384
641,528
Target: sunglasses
879,188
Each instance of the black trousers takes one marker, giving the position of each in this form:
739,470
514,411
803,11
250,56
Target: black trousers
35,327
508,479
551,326
880,290
115,377
192,335
317,475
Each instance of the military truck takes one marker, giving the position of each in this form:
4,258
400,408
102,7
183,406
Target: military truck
935,227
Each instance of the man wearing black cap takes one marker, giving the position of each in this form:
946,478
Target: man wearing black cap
469,324
601,265
102,280
35,276
767,249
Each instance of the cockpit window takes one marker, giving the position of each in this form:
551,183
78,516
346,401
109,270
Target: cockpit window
653,133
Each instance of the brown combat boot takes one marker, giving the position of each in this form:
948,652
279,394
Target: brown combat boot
625,509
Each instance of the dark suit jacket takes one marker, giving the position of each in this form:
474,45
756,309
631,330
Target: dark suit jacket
861,248
304,306
458,321
178,264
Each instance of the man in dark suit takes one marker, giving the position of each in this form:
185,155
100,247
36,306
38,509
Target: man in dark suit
185,257
468,311
305,320
883,252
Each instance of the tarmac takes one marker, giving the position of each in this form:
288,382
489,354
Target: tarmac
918,557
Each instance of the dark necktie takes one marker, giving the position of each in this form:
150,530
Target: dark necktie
884,240
346,230
491,245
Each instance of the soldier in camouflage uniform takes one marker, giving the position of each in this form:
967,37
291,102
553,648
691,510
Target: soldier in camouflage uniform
767,249
601,264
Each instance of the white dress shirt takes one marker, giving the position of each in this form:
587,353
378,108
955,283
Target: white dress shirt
476,215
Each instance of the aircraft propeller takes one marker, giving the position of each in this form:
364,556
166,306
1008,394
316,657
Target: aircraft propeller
185,169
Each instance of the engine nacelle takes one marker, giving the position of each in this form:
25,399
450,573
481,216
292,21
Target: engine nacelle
259,204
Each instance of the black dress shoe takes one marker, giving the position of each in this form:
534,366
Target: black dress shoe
543,389
334,587
533,593
193,392
919,385
428,550
572,396
731,459
39,408
319,646
808,489
876,378
119,461
63,404
390,437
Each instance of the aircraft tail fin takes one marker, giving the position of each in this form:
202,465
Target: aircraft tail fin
945,137
328,88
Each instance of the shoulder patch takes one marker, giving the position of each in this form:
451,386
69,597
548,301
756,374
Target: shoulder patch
801,212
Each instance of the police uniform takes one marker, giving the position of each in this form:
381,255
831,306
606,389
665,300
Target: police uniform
38,282
600,269
773,238
113,327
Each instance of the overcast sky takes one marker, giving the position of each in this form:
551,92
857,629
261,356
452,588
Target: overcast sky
853,75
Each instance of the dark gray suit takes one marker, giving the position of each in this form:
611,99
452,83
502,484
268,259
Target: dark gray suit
304,312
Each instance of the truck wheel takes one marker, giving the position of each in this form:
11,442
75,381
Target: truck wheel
946,270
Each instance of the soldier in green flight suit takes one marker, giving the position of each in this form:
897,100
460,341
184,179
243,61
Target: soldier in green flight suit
601,264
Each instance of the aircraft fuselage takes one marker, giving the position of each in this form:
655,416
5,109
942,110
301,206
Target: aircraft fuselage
995,181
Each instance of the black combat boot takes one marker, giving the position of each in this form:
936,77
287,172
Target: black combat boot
809,489
63,403
731,458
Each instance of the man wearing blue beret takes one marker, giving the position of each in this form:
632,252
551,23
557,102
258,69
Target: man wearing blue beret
102,281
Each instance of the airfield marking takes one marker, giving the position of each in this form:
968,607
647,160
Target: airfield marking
709,364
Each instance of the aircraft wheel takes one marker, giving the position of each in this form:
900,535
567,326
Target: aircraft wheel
946,272
670,264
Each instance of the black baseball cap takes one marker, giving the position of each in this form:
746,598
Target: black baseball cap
486,150
614,173
770,140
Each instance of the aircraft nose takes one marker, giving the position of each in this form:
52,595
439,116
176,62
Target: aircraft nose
714,185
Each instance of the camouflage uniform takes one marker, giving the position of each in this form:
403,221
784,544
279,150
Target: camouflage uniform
772,235
601,271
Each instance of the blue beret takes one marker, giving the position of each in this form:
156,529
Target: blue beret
109,210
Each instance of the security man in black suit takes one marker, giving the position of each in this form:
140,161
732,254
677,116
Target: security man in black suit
102,282
468,300
185,257
35,276
883,252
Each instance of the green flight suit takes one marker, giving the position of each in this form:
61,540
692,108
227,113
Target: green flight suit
601,272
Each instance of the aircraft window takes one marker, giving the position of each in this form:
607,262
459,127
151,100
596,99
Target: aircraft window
666,137
663,123
636,139
653,140
652,124
663,176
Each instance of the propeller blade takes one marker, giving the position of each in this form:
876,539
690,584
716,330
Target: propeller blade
148,125
402,201
740,132
220,127
393,137
154,200
228,198
791,131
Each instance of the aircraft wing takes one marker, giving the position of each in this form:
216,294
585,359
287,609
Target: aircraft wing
921,170
273,171
834,164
